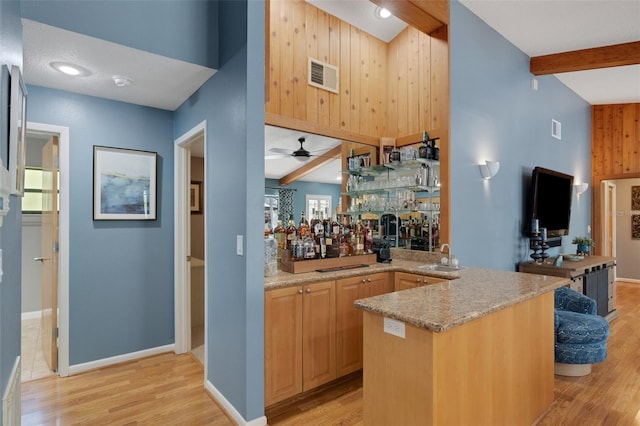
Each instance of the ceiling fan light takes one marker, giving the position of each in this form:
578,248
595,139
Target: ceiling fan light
301,158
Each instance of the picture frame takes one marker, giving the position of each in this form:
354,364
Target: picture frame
635,226
124,184
195,197
17,131
635,197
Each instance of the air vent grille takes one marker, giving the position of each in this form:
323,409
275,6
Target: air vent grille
323,76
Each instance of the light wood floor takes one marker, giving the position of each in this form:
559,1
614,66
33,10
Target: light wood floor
168,390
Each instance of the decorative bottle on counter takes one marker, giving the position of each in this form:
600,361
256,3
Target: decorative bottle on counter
280,234
291,234
303,226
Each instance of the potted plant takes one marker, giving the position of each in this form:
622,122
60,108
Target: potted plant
584,244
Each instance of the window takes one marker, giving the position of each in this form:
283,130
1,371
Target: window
32,199
318,206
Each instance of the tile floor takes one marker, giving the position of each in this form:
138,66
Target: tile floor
33,363
197,342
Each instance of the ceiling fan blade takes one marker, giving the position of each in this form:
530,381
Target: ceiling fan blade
276,156
280,151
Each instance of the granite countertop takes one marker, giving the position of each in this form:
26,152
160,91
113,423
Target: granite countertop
474,294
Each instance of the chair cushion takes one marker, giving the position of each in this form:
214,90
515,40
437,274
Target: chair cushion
580,328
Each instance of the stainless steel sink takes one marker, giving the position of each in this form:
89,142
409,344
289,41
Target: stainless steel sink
440,268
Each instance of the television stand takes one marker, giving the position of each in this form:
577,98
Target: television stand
594,277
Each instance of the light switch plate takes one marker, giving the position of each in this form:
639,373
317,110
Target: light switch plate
239,245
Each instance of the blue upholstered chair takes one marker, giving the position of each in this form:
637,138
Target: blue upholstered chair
580,334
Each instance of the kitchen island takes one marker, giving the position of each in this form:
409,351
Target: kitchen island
474,350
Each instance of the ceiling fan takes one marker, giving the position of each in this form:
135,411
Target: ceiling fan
300,154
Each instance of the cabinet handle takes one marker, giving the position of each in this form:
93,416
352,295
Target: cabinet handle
418,280
300,291
363,280
308,290
368,280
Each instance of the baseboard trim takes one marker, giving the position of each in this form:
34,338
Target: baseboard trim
31,315
628,280
105,362
230,409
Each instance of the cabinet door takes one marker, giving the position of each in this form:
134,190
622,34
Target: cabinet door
404,281
348,325
283,344
318,334
378,284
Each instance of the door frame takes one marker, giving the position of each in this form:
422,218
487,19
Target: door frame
63,237
182,291
608,215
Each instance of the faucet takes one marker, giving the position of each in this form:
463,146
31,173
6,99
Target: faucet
449,253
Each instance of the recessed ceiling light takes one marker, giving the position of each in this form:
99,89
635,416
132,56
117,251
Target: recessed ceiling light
382,13
70,69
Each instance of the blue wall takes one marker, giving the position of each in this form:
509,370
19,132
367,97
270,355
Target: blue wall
176,29
496,116
10,233
232,102
303,188
121,272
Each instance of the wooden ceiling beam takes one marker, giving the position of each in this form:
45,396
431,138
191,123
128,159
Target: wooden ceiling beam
426,16
616,55
311,166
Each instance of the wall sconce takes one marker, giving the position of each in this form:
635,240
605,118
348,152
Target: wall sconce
489,169
580,187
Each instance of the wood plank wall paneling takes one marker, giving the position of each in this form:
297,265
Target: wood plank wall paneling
418,83
615,153
386,90
298,31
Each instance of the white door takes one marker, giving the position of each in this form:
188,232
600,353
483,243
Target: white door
49,253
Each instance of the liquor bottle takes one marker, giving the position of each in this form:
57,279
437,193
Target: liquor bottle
368,238
313,220
291,234
303,226
359,239
280,234
435,149
425,151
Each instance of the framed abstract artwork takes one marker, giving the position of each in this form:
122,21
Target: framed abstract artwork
17,131
635,198
124,184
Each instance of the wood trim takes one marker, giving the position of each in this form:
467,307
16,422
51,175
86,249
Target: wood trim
267,49
304,126
426,16
587,59
311,166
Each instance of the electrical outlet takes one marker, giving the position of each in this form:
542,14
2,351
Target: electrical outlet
394,327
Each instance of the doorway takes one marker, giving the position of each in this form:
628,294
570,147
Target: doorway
45,224
190,237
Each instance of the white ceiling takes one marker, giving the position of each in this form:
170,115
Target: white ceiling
536,27
158,81
542,27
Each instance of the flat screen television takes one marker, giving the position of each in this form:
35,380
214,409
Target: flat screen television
550,202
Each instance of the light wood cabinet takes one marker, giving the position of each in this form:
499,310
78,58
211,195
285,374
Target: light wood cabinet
349,319
283,343
405,281
318,334
300,324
